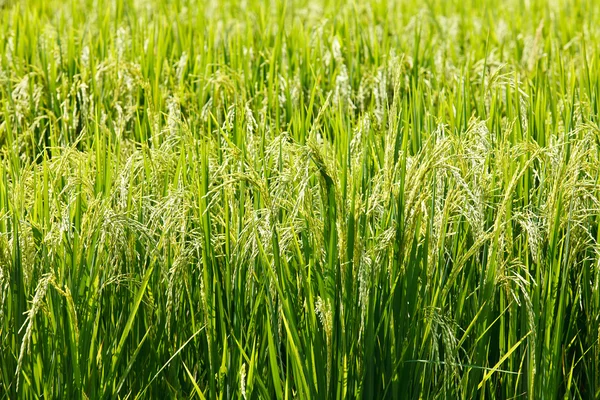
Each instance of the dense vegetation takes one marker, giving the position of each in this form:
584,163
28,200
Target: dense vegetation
299,199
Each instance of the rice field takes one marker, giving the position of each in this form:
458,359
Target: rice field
299,199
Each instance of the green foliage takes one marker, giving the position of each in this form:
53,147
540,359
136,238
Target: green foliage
299,199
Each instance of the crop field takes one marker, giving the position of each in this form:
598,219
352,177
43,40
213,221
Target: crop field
299,199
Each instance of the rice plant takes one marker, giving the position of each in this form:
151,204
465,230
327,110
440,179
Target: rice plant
312,199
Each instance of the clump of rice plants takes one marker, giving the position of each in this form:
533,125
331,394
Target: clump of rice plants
309,199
